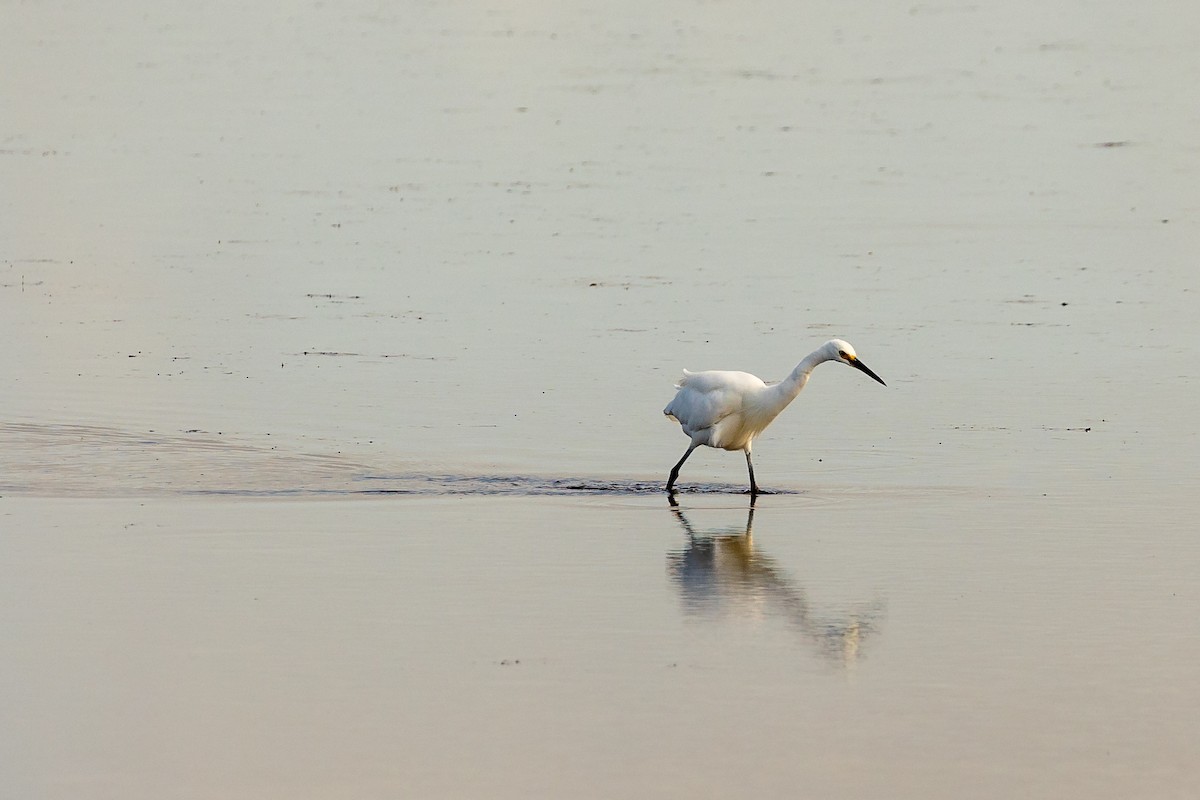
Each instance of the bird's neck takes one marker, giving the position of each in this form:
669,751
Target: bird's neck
787,389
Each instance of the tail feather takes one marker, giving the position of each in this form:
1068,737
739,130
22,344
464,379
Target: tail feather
668,411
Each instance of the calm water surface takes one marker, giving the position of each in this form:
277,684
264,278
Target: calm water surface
337,343
856,643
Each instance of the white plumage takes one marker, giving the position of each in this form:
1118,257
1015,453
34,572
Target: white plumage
721,409
728,410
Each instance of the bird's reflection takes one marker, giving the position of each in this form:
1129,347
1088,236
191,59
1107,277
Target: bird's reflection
722,573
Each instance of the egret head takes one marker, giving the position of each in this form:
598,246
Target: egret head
843,351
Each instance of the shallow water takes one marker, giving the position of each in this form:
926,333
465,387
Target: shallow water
857,646
331,451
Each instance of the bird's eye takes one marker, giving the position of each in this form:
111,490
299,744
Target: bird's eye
844,354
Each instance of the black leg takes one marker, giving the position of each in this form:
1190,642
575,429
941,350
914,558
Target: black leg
675,470
753,485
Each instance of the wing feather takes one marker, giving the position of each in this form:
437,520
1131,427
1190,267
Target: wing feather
706,399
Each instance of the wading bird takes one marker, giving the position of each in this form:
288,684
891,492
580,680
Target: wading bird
728,409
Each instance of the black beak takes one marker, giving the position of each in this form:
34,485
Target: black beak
861,366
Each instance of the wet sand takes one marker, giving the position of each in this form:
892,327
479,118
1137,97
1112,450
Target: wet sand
332,446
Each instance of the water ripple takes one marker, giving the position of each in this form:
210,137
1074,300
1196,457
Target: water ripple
535,485
71,460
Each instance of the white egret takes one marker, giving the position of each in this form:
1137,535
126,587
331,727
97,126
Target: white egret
729,409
